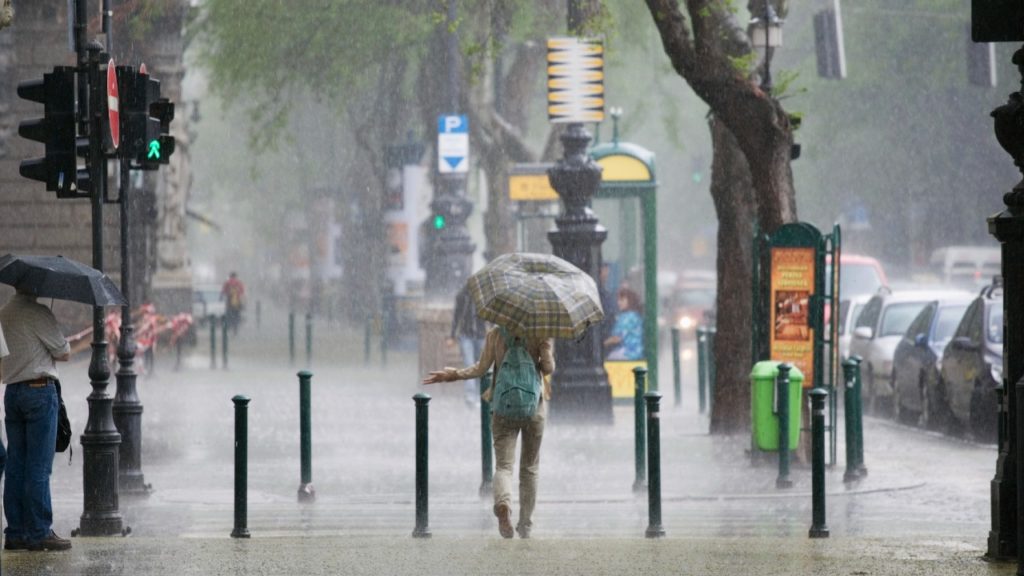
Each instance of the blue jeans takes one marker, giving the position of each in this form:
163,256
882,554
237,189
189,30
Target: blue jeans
31,420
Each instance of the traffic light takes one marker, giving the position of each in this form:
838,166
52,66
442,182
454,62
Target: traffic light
56,130
160,143
145,120
439,222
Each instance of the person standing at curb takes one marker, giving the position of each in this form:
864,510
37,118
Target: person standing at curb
30,405
506,431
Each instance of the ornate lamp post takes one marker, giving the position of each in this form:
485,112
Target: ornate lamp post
581,381
1008,228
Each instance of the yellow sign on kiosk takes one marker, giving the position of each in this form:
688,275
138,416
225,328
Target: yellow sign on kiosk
621,378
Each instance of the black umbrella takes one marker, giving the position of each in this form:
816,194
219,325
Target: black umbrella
60,278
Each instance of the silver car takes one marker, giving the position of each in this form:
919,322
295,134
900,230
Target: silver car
877,332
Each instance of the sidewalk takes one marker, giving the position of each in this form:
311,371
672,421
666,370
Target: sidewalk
923,509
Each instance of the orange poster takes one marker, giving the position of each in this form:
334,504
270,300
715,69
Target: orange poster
791,336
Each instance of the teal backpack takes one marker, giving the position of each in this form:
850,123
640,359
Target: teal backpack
517,389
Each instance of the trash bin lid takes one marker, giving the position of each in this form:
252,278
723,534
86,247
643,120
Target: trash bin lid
769,369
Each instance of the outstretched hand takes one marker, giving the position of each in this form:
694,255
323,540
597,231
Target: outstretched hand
435,377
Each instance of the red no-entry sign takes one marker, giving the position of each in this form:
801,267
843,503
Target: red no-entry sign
113,105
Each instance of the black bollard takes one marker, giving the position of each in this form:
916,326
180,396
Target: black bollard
422,529
850,401
241,529
858,419
224,342
782,396
654,527
258,314
367,336
486,447
702,369
818,527
677,378
291,338
309,340
639,374
306,491
213,341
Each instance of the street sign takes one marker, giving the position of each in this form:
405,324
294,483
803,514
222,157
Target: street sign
113,105
452,144
575,80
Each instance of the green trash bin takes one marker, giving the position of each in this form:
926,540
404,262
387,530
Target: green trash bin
764,415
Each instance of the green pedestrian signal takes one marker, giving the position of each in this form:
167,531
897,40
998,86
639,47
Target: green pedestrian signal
439,222
154,150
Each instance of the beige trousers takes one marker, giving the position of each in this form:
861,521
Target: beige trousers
505,433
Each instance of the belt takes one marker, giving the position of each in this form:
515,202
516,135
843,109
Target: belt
36,382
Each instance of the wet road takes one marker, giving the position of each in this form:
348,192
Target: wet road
922,487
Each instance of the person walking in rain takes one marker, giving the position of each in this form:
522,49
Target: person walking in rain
30,404
506,431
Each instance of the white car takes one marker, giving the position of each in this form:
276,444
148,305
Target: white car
877,332
849,311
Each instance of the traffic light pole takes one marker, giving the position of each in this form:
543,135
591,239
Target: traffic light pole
100,441
127,409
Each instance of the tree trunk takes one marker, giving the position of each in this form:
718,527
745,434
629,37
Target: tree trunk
732,193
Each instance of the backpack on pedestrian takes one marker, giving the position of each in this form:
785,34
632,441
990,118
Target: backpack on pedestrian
517,387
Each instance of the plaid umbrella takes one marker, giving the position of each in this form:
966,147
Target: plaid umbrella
536,296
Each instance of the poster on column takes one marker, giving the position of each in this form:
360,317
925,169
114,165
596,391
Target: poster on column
791,337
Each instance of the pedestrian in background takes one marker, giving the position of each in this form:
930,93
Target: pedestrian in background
626,341
35,343
469,331
233,294
505,431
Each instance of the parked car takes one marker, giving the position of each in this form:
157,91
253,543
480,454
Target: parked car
878,330
691,301
970,267
860,275
916,361
849,311
972,369
206,302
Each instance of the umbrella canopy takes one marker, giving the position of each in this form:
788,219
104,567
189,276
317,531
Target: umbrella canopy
536,296
61,278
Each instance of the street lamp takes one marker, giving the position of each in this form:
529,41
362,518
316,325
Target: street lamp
766,31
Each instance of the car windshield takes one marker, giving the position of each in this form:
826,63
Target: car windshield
949,318
994,326
857,279
897,317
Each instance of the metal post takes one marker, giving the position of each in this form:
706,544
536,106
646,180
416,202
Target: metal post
702,369
367,334
422,529
384,338
858,419
677,383
224,341
259,314
654,527
306,491
241,529
581,380
101,440
639,434
818,527
849,408
309,340
486,447
213,340
291,338
782,394
127,409
1008,228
